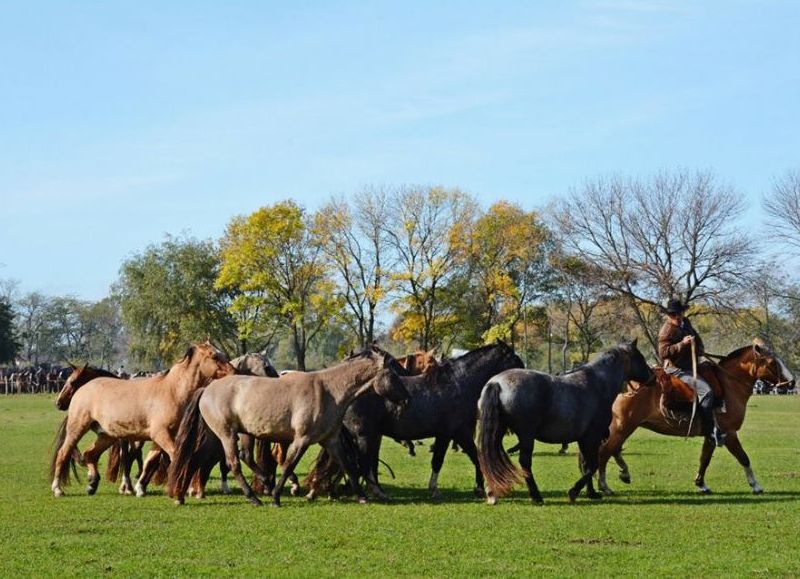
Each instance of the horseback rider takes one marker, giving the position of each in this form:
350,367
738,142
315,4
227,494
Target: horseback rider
675,349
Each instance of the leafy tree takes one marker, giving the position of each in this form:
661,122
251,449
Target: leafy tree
275,270
168,299
506,253
31,319
425,229
8,343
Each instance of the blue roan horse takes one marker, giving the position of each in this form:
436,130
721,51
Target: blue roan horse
536,406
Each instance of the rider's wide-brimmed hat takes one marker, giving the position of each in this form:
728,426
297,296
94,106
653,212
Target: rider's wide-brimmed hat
674,306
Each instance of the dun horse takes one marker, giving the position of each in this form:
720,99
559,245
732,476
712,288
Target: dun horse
536,406
140,409
737,372
301,408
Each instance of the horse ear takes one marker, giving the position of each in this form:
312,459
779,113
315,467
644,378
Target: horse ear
634,343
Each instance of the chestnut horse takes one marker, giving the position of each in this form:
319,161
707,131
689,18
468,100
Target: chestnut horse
139,409
302,408
640,406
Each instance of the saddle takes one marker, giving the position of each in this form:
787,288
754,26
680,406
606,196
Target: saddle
678,396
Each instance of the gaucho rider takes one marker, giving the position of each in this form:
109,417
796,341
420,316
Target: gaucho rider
675,349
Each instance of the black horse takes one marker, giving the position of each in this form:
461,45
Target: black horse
537,406
442,405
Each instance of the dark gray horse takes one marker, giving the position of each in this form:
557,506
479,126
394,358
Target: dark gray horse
553,409
442,405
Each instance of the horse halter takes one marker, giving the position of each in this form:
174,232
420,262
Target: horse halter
772,357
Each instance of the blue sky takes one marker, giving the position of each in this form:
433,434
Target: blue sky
121,122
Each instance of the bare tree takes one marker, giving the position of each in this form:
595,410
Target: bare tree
674,234
783,205
355,242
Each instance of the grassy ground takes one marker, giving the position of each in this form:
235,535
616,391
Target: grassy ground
656,526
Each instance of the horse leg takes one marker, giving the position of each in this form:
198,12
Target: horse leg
439,450
613,447
468,446
734,446
126,460
371,445
73,435
705,458
248,458
589,452
91,456
334,448
526,462
294,453
230,444
223,477
149,468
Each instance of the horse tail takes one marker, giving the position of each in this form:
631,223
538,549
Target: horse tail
500,473
192,434
58,442
114,459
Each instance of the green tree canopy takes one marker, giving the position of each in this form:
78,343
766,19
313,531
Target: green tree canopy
168,299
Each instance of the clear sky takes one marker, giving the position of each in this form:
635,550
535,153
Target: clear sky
122,121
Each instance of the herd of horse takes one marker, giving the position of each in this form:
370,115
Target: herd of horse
207,411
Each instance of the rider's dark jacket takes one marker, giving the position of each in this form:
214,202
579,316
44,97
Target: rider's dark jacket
672,351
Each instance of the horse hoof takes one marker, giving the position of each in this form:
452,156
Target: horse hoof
572,494
436,495
491,500
625,477
608,492
179,502
538,501
758,491
275,505
479,492
90,490
255,501
58,493
295,491
362,501
704,490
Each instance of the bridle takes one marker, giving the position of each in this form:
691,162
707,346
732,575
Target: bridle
754,375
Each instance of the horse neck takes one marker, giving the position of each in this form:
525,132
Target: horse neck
738,375
610,372
185,380
348,380
475,370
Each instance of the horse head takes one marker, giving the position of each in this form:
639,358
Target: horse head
211,362
766,365
75,380
636,367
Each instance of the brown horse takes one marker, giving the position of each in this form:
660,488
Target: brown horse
419,363
301,408
122,452
140,409
641,406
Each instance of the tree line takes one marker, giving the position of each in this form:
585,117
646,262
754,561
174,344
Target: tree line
429,267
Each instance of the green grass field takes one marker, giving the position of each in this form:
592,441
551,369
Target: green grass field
656,526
